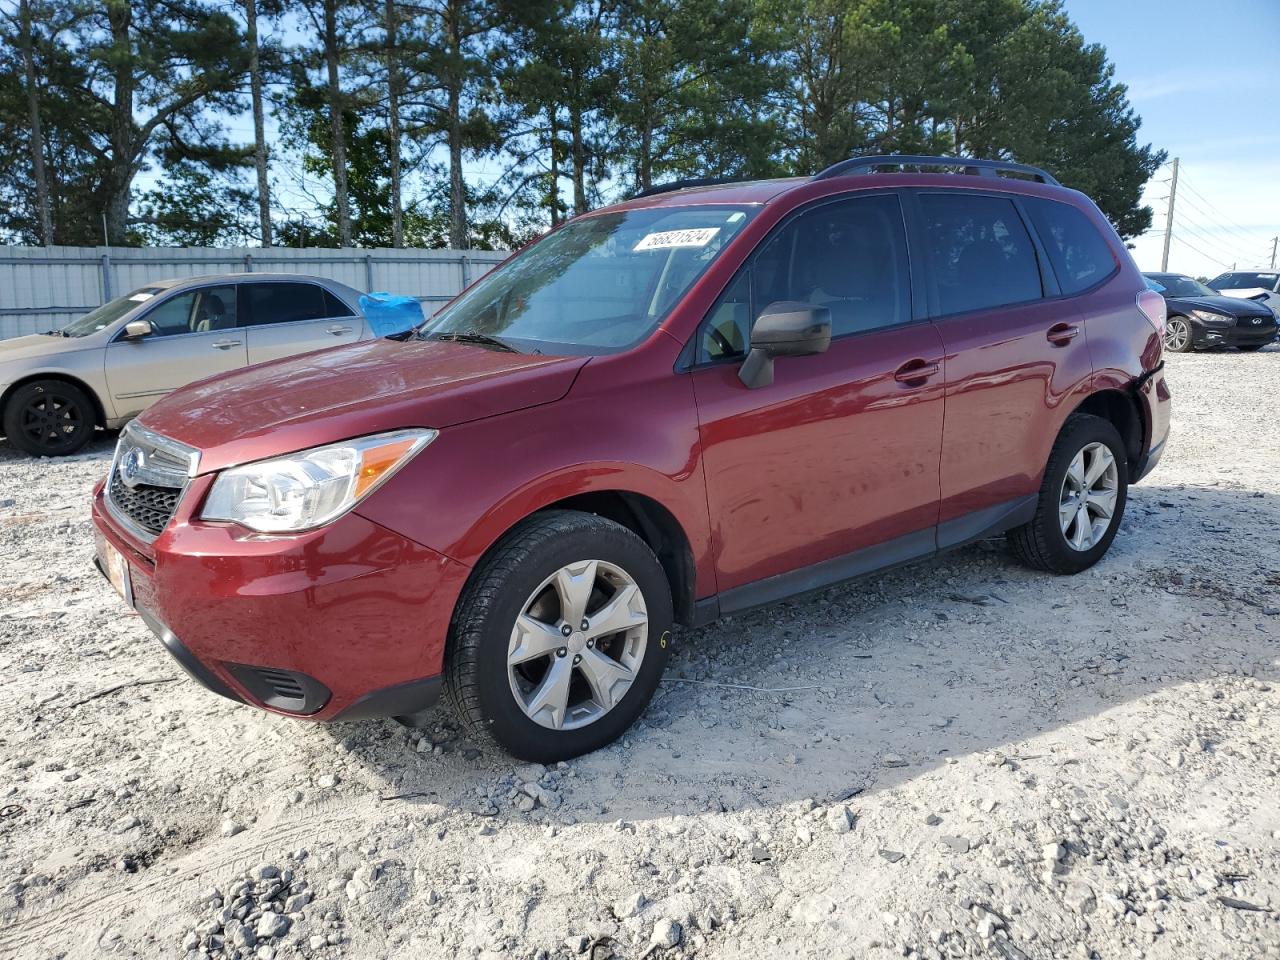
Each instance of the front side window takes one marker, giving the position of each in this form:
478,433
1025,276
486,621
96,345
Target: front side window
1079,254
600,284
979,252
196,311
287,302
849,256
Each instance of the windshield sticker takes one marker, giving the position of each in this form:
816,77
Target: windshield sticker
141,297
667,239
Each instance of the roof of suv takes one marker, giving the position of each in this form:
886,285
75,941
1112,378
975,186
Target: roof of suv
759,192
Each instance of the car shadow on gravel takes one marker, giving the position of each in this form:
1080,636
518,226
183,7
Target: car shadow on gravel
869,684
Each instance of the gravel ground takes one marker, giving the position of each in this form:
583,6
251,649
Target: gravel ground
957,759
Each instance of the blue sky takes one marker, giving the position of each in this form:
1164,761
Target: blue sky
1205,78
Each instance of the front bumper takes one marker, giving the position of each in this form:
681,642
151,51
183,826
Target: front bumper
342,623
1243,333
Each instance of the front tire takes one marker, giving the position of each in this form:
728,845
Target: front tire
49,418
1081,500
1177,335
560,637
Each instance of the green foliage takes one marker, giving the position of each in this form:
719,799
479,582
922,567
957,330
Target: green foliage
514,114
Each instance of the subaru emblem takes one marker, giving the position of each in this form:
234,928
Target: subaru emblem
131,467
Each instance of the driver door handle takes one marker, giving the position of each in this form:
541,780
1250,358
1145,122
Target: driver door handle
337,331
1060,334
226,344
915,372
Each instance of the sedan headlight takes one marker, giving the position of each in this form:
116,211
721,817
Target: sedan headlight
313,487
1213,319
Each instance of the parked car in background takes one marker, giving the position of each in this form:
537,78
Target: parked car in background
108,366
692,403
1260,285
1200,317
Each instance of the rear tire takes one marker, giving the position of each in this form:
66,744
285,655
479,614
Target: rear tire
49,418
560,637
1067,535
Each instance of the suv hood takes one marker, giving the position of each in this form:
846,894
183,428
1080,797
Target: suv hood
1232,306
349,391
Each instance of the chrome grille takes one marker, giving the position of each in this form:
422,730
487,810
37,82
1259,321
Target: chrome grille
149,474
151,508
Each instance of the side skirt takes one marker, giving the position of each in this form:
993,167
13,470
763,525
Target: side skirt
979,525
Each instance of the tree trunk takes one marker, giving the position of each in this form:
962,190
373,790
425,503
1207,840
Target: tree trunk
457,190
119,177
37,136
553,188
644,175
394,86
259,139
579,159
339,146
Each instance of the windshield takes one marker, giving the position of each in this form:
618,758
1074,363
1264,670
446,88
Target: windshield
1175,286
108,313
1244,281
598,285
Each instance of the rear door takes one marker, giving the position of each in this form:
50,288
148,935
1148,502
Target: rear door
840,452
1016,357
196,335
287,317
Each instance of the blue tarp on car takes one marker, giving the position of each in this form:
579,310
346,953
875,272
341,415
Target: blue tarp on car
388,313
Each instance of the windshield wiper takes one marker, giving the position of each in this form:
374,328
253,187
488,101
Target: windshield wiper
471,336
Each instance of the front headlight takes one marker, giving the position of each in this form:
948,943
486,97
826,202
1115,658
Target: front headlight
1213,319
313,487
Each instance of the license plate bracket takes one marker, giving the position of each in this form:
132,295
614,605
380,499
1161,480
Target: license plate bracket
116,568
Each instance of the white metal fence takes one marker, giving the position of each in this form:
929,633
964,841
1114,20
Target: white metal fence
45,287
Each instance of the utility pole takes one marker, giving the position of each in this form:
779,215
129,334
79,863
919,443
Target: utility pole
1168,222
1274,241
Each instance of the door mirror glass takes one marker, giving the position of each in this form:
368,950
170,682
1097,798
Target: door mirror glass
137,330
786,328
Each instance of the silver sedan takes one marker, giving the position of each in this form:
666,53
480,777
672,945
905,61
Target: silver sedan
111,364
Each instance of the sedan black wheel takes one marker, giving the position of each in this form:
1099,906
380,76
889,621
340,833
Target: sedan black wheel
1177,335
49,418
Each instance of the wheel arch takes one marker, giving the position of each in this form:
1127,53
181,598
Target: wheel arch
644,515
99,411
1123,412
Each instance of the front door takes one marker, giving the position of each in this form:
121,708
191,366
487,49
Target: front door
839,455
195,335
290,317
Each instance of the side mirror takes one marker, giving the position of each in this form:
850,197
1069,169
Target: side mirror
137,330
787,328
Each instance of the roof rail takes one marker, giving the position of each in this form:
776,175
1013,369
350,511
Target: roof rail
685,184
985,168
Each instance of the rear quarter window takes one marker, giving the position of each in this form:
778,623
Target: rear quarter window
1078,253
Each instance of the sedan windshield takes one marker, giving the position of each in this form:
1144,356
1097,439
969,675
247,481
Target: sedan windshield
1175,286
108,313
600,284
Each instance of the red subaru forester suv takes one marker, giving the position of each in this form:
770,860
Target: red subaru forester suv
707,398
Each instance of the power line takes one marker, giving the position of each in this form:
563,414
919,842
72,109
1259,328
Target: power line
1211,206
1258,234
1205,235
1186,243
